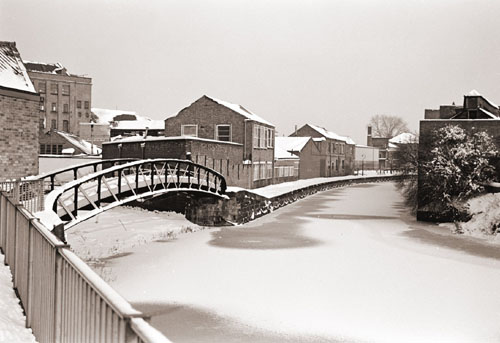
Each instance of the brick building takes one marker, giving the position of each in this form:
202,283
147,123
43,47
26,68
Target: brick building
475,106
296,158
19,104
337,152
65,99
477,114
218,120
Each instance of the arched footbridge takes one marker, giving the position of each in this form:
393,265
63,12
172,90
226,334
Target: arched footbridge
131,180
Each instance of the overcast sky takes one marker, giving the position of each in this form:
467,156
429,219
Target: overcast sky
330,63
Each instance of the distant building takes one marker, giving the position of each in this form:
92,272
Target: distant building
296,158
19,122
65,99
337,152
477,114
56,142
218,120
475,106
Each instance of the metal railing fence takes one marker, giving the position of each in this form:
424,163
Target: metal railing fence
64,300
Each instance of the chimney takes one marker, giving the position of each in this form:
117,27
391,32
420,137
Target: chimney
369,136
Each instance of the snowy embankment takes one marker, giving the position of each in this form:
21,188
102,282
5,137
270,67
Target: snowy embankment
485,221
12,319
278,189
123,228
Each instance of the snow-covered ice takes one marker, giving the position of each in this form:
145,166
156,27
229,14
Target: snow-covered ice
347,264
12,320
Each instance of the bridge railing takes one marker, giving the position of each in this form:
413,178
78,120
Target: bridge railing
120,184
28,193
64,300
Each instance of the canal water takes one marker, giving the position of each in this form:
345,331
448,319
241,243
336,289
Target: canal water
347,265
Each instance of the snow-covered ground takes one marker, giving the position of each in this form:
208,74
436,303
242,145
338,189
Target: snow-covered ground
12,319
343,265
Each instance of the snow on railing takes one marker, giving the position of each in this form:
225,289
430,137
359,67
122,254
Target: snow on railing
63,298
28,193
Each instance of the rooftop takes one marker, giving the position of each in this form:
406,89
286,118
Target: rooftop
48,68
284,146
13,74
476,93
241,110
332,135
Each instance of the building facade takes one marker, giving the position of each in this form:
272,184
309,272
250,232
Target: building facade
19,104
210,118
300,155
65,99
337,152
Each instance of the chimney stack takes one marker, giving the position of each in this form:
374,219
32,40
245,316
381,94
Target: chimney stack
369,136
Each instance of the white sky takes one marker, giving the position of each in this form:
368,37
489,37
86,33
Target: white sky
330,63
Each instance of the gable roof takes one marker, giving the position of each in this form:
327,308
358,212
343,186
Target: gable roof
474,92
81,144
283,146
13,74
240,110
331,135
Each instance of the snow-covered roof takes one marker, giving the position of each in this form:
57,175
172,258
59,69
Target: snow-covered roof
105,115
488,113
404,138
13,73
476,93
81,144
47,68
139,124
241,110
330,134
283,146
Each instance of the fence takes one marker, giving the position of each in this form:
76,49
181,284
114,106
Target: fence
64,300
29,193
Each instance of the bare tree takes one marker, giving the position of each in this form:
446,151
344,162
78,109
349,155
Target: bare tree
387,126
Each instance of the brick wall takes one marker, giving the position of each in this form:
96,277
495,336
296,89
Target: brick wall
19,123
220,156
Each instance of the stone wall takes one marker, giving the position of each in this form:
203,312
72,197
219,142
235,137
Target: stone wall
244,206
19,122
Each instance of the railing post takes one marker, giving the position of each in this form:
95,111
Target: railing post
208,181
52,179
199,182
58,294
75,202
99,183
189,174
178,166
75,173
152,175
119,183
215,183
137,178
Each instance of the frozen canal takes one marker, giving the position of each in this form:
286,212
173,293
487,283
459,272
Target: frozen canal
343,265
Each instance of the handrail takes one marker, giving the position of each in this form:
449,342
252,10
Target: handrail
183,176
74,168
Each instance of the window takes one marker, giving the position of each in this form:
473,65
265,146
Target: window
255,136
262,137
79,114
65,126
65,108
223,133
79,104
270,138
86,115
54,107
42,106
342,164
53,124
42,149
59,149
341,148
256,171
54,89
65,89
42,123
86,104
269,170
262,172
42,87
189,130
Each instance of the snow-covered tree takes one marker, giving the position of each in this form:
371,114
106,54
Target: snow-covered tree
458,165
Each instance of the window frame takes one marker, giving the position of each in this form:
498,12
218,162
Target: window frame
217,135
183,126
65,86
